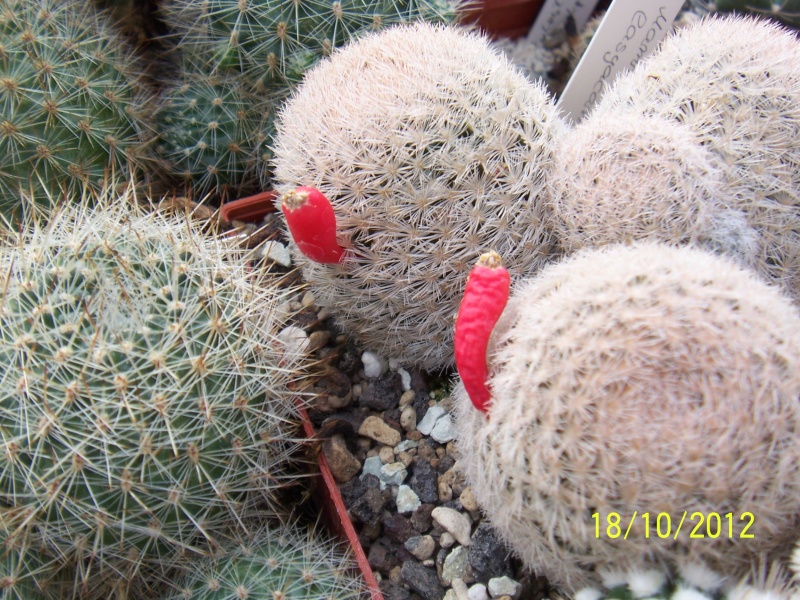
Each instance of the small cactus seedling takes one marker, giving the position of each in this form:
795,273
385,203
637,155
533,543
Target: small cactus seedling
638,379
633,177
735,81
434,148
145,393
71,104
275,563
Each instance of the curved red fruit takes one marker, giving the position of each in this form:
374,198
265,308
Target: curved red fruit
485,298
312,224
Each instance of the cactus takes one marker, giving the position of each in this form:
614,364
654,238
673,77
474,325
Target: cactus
434,148
645,378
72,107
688,582
784,11
210,134
279,562
145,393
621,178
736,82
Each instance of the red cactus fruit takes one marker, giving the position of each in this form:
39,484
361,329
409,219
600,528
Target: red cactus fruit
485,297
312,224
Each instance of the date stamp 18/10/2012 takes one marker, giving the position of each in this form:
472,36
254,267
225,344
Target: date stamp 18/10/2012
696,525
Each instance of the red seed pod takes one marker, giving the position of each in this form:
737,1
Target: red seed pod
312,224
485,298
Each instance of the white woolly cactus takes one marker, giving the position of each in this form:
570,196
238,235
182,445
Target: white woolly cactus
430,146
736,82
284,562
144,393
622,178
645,378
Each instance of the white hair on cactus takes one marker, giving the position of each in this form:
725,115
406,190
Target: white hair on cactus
700,575
434,149
687,593
588,593
735,81
622,348
644,583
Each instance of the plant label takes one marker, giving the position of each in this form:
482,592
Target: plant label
630,30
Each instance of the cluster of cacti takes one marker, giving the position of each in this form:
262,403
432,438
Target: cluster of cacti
635,379
690,581
72,111
256,52
145,394
785,11
735,82
621,178
273,563
210,133
434,148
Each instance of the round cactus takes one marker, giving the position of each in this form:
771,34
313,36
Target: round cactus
144,394
209,133
785,11
283,562
736,82
434,148
642,177
72,107
646,378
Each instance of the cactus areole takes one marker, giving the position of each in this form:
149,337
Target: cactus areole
312,224
485,298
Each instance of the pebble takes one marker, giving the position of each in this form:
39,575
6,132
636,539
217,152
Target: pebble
341,461
488,555
374,365
421,546
460,589
294,340
504,586
446,540
478,592
386,454
407,501
375,429
425,426
372,466
318,339
405,377
423,481
324,313
407,399
443,430
468,500
455,564
307,300
445,493
408,418
405,445
405,458
422,580
393,473
458,524
277,253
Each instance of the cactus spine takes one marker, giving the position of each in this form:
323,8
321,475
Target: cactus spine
435,148
623,178
735,81
643,378
72,109
145,393
280,562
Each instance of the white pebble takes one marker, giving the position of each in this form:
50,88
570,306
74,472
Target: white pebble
504,586
429,420
443,430
405,378
478,592
407,500
374,365
277,253
294,341
455,522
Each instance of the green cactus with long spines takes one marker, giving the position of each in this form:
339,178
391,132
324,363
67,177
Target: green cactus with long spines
210,133
281,563
145,393
71,107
